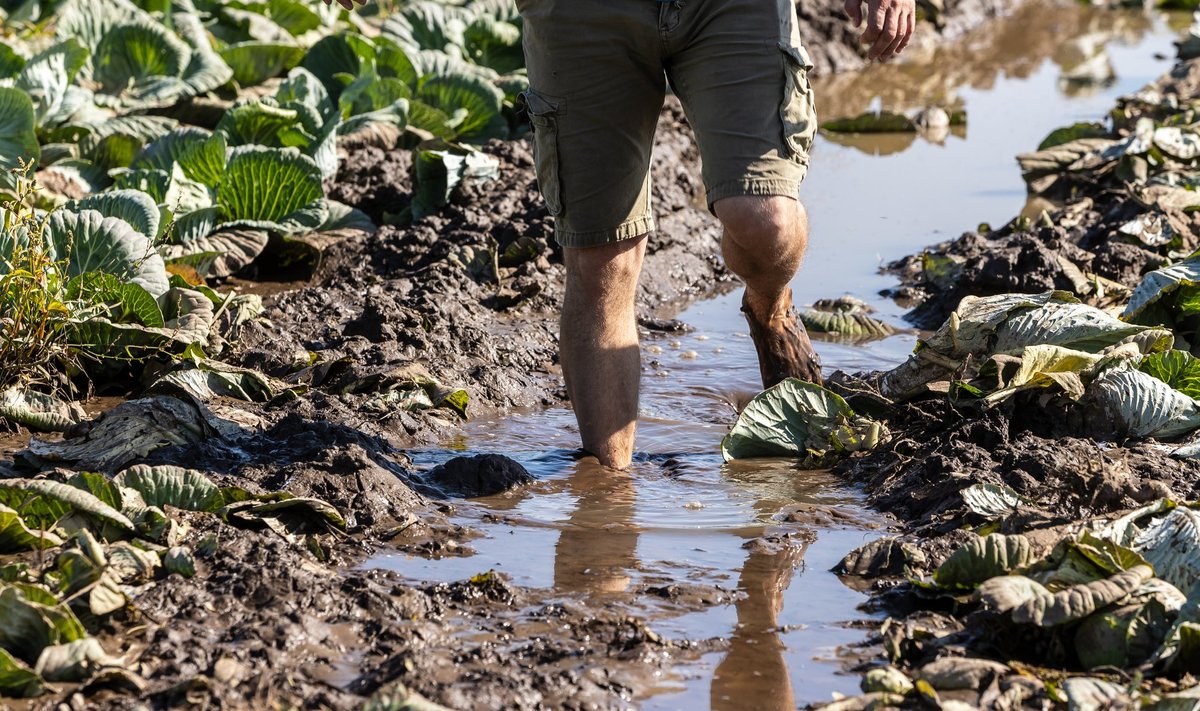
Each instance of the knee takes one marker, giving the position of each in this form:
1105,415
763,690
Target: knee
769,222
610,266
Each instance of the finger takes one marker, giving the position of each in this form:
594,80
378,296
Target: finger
912,27
854,10
901,28
886,35
876,16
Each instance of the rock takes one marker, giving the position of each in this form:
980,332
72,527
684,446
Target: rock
481,475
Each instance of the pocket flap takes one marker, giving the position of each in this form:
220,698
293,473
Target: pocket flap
798,55
538,105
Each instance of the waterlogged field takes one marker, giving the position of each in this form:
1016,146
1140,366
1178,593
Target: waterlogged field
259,260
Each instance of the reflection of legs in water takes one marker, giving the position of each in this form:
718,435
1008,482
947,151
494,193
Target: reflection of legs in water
754,674
596,549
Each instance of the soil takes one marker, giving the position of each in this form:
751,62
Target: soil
1065,464
264,624
1045,454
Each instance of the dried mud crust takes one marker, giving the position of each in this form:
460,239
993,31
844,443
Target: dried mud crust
402,296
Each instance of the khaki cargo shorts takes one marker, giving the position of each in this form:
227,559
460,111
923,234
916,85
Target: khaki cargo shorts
598,74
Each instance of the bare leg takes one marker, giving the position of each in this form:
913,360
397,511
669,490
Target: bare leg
599,346
764,243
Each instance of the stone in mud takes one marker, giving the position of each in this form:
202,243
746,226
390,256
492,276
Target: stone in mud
480,475
886,556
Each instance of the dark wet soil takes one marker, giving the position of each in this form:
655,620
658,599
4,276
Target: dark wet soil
263,621
1064,464
1045,454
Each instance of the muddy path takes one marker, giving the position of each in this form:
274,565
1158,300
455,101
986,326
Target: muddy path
266,622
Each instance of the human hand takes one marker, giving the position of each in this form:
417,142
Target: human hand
890,25
348,4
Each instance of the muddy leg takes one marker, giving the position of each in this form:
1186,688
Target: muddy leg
599,346
764,243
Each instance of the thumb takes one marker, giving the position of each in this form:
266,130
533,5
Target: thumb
854,10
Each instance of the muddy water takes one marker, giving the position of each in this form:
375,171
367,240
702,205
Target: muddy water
681,515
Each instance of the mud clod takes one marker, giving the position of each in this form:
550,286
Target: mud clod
480,475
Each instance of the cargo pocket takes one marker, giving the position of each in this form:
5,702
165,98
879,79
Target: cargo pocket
543,114
798,110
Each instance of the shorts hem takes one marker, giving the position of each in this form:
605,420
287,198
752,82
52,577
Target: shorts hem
575,239
783,187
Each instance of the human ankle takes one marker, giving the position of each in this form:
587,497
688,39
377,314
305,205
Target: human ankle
770,306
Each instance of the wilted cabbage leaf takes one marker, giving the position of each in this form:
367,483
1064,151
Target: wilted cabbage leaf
1141,405
992,500
17,680
1122,637
1046,366
73,661
21,493
1158,285
844,318
17,537
38,411
166,485
1079,601
1006,325
34,619
1171,543
983,558
798,419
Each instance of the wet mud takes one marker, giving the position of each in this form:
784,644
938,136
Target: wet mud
1062,465
268,622
1053,460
